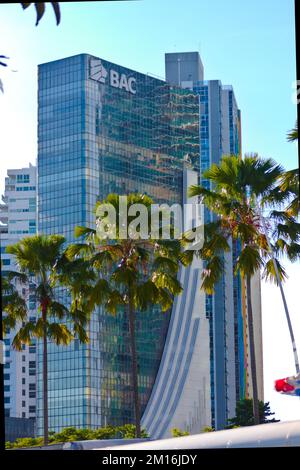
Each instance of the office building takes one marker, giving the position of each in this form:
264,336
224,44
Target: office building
220,134
17,220
104,128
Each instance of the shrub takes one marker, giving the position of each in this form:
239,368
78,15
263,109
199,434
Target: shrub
176,432
73,434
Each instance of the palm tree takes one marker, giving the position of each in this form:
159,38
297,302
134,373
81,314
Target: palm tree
13,305
37,258
237,185
132,275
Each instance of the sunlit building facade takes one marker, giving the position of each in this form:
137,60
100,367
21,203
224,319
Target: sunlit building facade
18,220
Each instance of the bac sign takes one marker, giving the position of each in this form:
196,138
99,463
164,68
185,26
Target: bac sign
116,79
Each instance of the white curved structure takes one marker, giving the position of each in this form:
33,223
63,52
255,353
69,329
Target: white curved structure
181,393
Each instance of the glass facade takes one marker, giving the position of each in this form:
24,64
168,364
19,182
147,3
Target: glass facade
103,128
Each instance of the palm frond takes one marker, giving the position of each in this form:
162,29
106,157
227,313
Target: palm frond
59,333
269,272
212,273
146,294
24,335
249,261
165,264
166,281
115,301
293,134
77,249
58,310
84,232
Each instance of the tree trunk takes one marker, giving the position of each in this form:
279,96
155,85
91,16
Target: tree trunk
45,375
252,352
134,372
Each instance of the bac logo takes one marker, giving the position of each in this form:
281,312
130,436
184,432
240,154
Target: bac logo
97,70
121,81
116,79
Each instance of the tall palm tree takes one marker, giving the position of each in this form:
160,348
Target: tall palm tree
237,185
37,258
132,276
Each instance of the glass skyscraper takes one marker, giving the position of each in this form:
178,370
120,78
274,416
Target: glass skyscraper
104,128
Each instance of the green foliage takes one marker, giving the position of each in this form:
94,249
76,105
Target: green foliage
24,442
14,306
126,431
244,414
132,274
238,186
176,432
42,262
44,265
136,271
293,134
72,434
108,432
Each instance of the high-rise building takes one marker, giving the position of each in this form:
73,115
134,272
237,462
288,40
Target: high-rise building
104,128
220,134
17,220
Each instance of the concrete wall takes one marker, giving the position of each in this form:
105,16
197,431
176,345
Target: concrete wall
183,67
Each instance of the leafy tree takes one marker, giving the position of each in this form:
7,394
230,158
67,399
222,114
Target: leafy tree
244,414
37,258
133,274
238,185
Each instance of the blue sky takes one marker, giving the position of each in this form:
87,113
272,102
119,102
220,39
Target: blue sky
247,44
